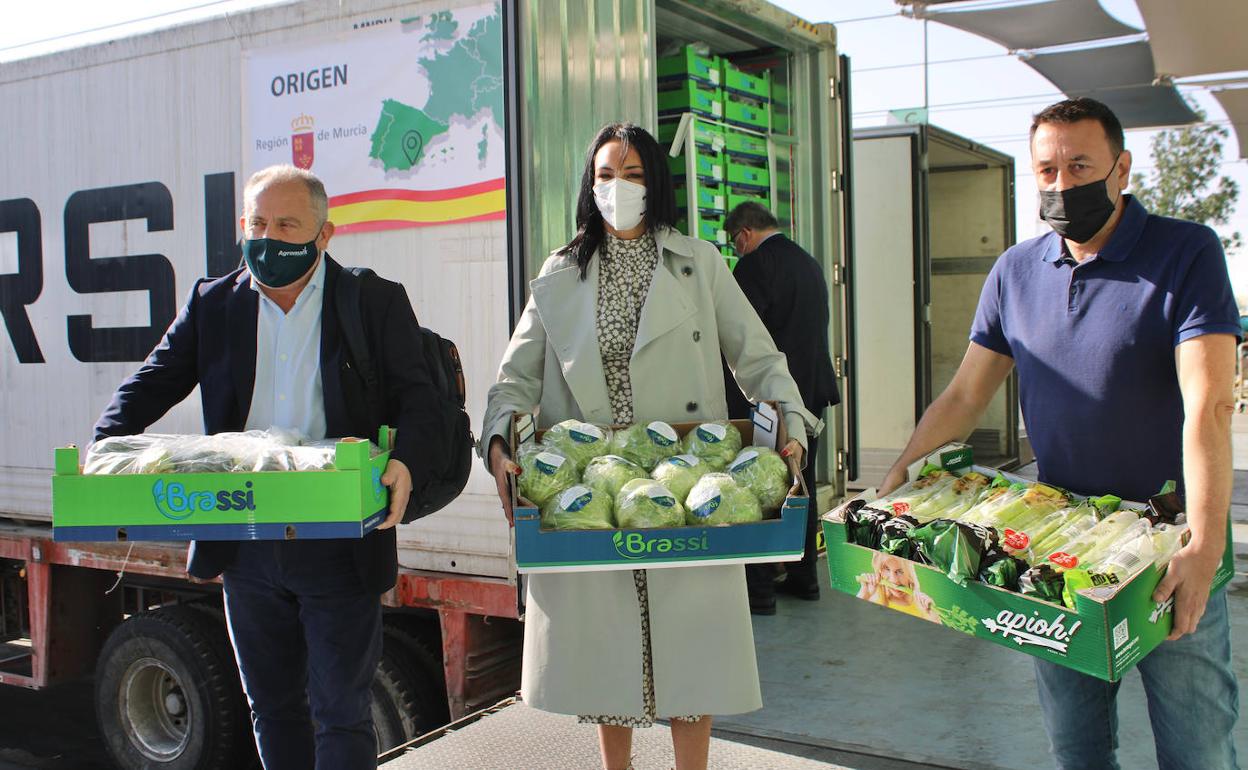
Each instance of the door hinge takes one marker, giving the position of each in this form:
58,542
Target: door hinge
838,274
841,366
840,460
833,91
838,181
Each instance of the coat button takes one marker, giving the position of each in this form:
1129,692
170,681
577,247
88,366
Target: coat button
686,270
697,336
692,406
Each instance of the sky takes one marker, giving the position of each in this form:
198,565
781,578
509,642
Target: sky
990,99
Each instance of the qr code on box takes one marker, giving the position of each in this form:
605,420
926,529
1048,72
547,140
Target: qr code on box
1121,632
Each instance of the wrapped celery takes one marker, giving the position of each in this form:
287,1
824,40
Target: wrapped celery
953,500
1016,509
1127,557
1167,540
1019,541
907,496
1094,544
1080,520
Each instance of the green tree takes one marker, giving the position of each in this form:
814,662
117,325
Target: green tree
1185,182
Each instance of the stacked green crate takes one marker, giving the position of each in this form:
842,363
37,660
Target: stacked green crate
748,113
689,82
708,165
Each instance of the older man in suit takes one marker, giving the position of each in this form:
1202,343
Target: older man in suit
786,287
266,347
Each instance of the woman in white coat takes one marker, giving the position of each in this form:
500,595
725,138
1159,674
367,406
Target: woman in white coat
626,324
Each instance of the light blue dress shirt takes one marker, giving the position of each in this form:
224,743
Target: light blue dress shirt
287,392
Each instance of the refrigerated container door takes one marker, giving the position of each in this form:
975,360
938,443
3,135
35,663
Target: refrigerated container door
887,296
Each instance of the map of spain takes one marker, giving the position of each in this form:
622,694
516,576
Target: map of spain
464,80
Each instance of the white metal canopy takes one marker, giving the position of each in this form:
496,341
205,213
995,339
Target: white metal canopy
1120,76
1038,25
1235,102
1196,38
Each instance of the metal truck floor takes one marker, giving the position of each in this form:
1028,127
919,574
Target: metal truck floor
514,736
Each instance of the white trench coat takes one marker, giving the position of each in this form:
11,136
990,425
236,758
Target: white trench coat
582,638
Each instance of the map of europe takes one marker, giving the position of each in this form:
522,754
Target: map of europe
464,80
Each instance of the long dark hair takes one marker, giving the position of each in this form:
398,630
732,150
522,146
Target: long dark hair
660,195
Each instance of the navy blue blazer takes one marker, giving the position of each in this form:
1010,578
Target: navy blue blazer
212,344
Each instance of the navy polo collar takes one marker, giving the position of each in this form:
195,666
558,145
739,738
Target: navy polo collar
1121,243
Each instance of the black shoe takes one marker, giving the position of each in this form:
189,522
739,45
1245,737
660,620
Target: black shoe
799,589
760,605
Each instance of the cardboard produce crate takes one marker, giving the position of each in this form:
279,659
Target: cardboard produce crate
736,81
348,501
707,135
678,96
1107,632
690,64
708,165
771,540
708,197
745,144
745,113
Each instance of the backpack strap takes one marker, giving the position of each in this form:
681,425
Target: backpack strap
351,322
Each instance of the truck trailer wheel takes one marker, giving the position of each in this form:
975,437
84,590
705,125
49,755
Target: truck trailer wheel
407,702
167,694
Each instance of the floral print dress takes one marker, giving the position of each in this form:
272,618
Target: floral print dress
625,270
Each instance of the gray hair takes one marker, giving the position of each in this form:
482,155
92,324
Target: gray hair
752,215
284,173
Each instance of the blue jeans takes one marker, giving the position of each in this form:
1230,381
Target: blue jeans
307,638
1193,701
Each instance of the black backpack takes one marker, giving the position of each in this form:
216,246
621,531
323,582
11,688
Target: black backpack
441,358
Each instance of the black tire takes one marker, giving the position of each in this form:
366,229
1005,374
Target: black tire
394,703
167,694
407,701
425,665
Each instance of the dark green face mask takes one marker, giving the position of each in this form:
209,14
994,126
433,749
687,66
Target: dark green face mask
277,263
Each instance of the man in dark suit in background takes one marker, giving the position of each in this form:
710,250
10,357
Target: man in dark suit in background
265,345
786,287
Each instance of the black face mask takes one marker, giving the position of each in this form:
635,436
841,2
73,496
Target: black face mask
1078,213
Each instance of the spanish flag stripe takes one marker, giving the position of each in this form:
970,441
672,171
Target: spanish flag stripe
450,193
432,212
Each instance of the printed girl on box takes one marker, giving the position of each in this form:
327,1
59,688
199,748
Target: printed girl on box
895,584
626,324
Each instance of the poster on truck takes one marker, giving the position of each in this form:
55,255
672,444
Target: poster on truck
402,121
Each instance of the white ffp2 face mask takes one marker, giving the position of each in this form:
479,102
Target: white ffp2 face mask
621,202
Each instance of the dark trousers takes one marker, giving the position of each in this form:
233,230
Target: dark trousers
307,638
759,578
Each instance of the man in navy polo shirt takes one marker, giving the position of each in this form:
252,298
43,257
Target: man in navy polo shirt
1123,328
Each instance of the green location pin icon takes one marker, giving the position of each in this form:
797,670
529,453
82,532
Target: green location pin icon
412,142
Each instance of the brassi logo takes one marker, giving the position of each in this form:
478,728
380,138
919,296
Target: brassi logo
175,502
639,545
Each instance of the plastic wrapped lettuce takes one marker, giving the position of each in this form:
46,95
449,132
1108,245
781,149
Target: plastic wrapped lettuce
715,443
609,473
544,472
578,507
646,444
953,500
717,499
579,441
763,472
909,495
645,503
679,473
